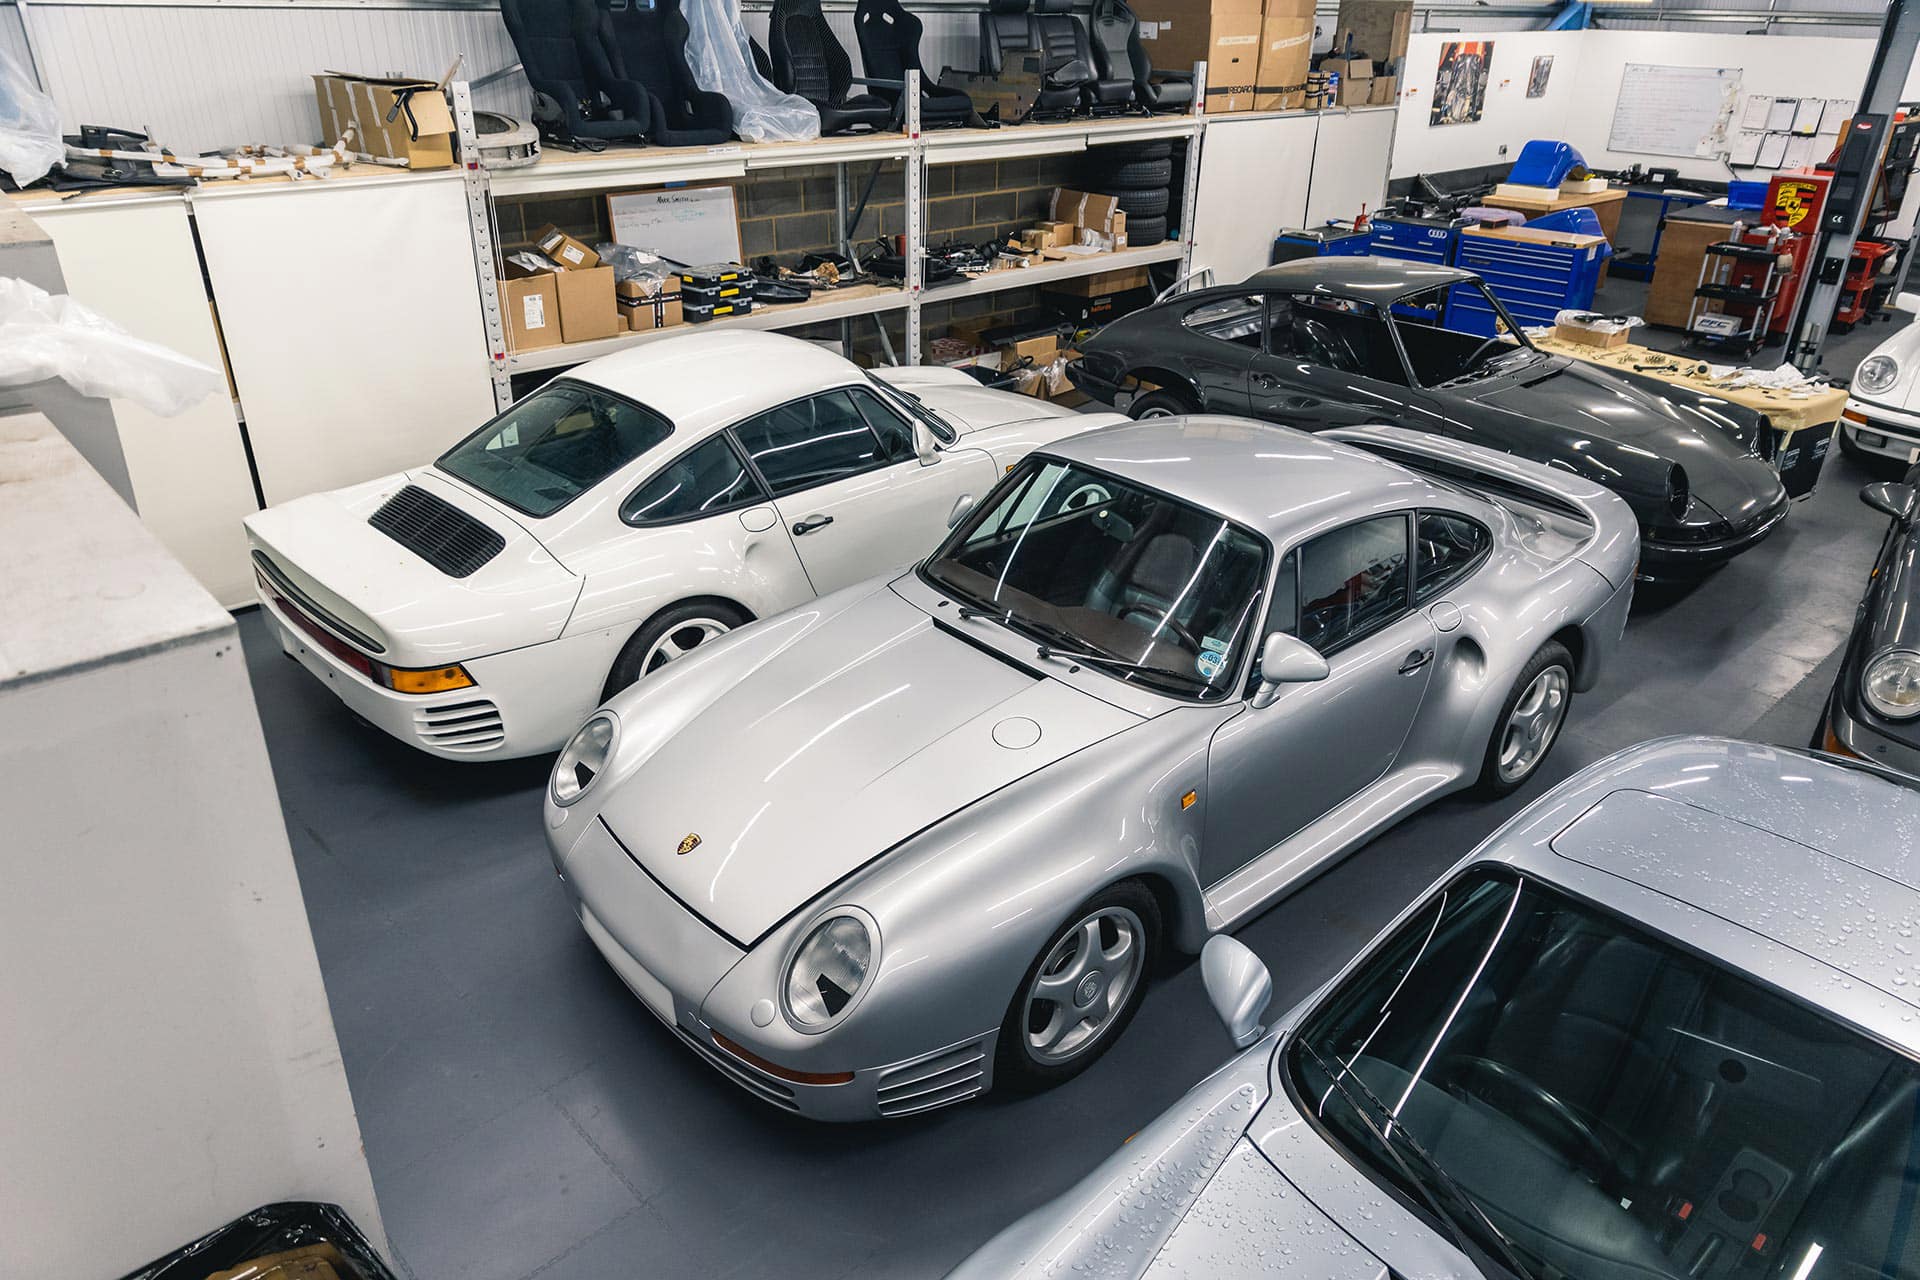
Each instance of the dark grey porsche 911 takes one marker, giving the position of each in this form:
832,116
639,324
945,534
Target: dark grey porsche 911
1339,342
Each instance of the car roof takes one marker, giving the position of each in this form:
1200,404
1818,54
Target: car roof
1283,483
1377,280
705,381
1799,869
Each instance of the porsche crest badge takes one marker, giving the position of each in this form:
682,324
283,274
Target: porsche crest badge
691,843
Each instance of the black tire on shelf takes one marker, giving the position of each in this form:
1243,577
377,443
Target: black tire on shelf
1139,173
1142,232
1148,203
1129,151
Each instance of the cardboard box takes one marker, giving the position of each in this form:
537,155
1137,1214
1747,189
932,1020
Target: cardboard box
565,252
1084,210
530,305
1589,337
1033,240
1225,34
1286,52
421,134
1058,233
1099,298
1044,350
1379,29
644,311
587,310
1356,92
1386,91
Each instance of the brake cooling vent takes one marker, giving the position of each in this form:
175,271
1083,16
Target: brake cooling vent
437,531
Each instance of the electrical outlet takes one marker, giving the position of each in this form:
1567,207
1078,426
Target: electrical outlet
1503,148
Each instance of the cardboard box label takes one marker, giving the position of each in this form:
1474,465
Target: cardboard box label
533,311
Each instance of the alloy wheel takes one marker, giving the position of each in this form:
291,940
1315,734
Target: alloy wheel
681,640
1083,985
1534,723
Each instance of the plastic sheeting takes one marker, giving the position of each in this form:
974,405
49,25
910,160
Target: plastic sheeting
45,335
717,50
293,1239
30,142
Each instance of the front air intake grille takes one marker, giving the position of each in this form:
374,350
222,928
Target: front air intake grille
437,531
473,725
937,1080
750,1078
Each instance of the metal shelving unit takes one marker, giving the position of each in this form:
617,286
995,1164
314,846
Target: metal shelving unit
657,166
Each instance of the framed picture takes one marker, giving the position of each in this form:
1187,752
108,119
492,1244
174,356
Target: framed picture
1537,78
1460,86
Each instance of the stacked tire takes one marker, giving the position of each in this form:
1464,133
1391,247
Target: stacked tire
1140,177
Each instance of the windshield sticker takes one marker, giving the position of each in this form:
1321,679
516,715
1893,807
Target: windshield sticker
1213,646
1210,663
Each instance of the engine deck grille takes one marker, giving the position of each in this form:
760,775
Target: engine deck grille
437,531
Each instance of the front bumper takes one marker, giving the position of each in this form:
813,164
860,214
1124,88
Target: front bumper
1844,735
1662,561
1890,433
672,961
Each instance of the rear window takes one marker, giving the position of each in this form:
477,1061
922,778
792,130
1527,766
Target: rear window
554,445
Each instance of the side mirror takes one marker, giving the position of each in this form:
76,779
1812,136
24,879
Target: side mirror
1284,660
1238,985
1896,500
962,507
924,445
1909,303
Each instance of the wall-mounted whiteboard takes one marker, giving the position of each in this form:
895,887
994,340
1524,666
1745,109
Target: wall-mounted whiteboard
1674,111
689,225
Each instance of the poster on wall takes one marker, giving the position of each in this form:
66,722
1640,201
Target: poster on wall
1460,86
1537,78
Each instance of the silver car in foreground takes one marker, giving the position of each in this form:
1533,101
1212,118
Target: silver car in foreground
1661,1025
871,855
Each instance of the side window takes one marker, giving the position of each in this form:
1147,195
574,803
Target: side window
703,480
1240,320
895,432
1448,546
810,442
1284,612
1341,334
1352,581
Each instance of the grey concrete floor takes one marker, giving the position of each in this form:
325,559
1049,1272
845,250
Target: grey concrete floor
525,1116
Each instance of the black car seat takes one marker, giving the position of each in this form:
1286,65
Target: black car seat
1156,577
809,60
643,43
1860,1206
1009,32
890,47
558,43
1070,53
1118,54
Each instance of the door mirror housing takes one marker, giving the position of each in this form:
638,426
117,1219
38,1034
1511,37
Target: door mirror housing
1239,987
1896,500
925,446
1286,660
962,508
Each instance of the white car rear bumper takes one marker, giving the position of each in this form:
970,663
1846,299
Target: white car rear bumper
1891,433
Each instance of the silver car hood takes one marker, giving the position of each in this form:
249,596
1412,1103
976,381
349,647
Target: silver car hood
867,729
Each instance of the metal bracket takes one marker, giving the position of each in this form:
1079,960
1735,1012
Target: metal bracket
479,194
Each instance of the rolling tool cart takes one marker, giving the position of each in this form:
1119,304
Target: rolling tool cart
1537,271
1416,237
1856,290
1733,304
1331,241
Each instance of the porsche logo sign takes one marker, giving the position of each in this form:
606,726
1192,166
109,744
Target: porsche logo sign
689,844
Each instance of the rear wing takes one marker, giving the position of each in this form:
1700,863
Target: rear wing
1573,515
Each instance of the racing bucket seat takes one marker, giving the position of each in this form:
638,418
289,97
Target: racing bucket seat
1070,53
1009,34
809,60
1119,54
889,48
558,44
643,44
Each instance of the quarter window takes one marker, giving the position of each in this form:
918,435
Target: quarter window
812,441
1449,546
1353,581
1239,320
895,432
700,482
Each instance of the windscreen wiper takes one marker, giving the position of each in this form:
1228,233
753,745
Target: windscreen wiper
1058,642
1421,1156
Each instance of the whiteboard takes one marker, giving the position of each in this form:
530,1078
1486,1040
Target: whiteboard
1674,111
693,226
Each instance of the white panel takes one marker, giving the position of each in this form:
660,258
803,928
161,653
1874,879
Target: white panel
1349,164
1253,182
352,321
1510,119
134,261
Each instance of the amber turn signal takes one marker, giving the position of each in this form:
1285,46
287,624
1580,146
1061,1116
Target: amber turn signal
1187,800
423,680
775,1069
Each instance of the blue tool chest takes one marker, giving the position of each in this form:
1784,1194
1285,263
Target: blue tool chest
1416,240
1533,281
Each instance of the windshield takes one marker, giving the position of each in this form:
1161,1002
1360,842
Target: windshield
1614,1106
1149,589
1455,332
554,445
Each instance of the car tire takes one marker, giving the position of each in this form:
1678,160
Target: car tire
1142,232
1163,403
1148,203
1128,152
1079,971
1140,173
667,635
1530,720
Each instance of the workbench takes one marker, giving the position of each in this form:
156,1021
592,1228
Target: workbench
1802,421
1606,206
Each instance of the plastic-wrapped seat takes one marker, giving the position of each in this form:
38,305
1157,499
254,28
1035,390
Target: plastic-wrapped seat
1070,53
890,47
809,60
1008,33
1119,54
558,43
643,48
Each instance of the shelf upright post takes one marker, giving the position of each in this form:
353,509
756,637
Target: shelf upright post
480,225
1190,180
915,217
840,230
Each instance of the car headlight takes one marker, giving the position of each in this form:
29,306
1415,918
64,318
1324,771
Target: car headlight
1877,374
582,759
828,971
1892,684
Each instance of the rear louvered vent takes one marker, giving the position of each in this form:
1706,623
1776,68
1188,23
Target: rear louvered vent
437,531
473,725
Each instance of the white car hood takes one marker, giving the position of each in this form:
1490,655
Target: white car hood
969,405
325,548
870,728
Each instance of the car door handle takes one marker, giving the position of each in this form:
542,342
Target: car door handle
1416,660
810,524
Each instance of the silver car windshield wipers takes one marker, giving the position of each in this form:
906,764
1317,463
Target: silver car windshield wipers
1058,642
1408,1149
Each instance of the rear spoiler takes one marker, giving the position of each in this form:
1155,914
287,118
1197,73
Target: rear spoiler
1477,466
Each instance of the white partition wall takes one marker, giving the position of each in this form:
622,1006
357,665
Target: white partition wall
1253,182
1509,118
1349,163
352,320
133,260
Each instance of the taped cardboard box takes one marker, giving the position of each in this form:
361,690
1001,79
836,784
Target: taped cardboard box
1286,52
1089,211
1379,28
563,250
1225,34
421,131
530,303
587,309
644,308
